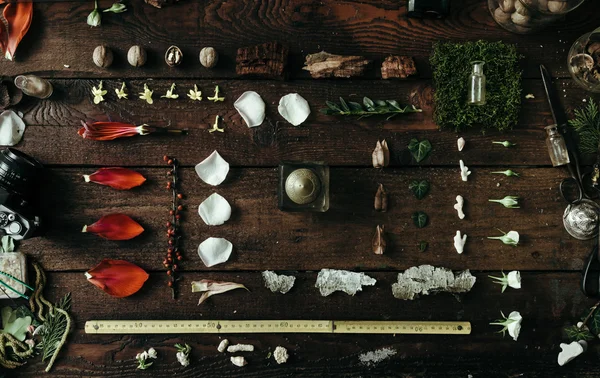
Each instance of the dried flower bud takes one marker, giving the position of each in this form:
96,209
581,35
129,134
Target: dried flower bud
379,242
381,199
173,56
136,56
103,56
209,57
381,155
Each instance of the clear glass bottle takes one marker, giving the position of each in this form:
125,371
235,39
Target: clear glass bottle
557,147
34,86
477,84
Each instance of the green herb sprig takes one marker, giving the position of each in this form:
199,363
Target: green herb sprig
368,108
587,126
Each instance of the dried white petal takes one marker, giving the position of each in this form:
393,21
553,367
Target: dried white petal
251,107
281,355
278,282
459,242
426,279
215,210
294,108
460,201
223,345
239,361
240,348
529,96
12,128
460,143
214,251
331,280
213,169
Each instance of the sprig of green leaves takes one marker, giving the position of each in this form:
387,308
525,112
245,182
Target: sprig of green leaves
587,125
368,108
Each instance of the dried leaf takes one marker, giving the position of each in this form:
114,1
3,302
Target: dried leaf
379,244
419,187
381,199
118,278
117,178
18,19
115,227
209,288
423,246
381,155
419,150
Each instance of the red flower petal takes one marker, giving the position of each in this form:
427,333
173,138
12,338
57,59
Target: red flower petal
118,278
118,178
18,16
115,227
109,130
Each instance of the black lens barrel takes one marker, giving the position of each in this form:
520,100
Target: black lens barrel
19,172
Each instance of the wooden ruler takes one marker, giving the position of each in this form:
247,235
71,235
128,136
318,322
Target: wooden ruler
276,326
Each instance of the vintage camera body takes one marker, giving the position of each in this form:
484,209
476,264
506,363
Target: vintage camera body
20,179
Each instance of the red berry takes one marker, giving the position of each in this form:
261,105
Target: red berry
179,195
179,208
169,224
165,158
170,162
177,216
179,257
169,284
168,272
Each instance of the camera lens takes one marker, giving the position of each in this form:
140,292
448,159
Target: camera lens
19,172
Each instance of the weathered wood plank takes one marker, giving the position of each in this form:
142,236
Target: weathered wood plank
59,35
266,238
547,302
339,141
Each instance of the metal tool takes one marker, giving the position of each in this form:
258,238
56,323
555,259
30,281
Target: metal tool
276,326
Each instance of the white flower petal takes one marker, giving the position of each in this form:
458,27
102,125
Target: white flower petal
251,107
569,352
213,169
514,235
514,279
11,128
294,108
214,251
514,328
215,210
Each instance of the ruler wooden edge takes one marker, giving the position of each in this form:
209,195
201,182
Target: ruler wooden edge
277,326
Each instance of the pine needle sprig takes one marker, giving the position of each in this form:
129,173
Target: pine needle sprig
55,328
587,126
368,108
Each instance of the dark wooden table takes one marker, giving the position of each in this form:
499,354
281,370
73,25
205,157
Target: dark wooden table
301,244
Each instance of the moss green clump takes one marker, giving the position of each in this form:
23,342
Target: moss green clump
451,64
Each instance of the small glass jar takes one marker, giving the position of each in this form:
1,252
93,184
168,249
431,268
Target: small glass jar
584,62
529,16
557,148
477,84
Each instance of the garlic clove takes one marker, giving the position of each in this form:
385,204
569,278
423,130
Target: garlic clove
215,210
251,107
214,251
213,170
294,108
12,128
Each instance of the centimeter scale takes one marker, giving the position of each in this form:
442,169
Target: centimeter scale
276,326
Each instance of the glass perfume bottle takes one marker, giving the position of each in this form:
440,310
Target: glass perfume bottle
557,148
477,84
34,86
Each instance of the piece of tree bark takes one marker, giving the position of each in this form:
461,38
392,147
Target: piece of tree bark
324,64
268,60
427,279
160,3
395,66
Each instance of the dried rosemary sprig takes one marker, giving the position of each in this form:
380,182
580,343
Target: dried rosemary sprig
174,256
368,108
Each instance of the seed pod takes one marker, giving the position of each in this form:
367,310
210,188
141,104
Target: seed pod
173,56
379,244
136,56
209,57
381,155
103,56
381,199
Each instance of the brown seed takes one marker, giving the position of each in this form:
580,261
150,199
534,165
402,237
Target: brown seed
379,242
103,56
381,155
136,56
381,199
209,57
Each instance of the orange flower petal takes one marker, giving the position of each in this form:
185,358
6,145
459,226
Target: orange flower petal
18,15
117,178
118,278
109,130
115,227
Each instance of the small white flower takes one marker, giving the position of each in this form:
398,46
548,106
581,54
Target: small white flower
147,95
216,126
98,93
144,356
216,97
183,359
137,356
513,279
195,94
170,93
152,353
512,324
510,238
121,92
511,202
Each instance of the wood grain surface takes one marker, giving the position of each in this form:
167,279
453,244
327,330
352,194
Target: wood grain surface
59,47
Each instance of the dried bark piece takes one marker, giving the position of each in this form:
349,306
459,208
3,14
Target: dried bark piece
426,279
332,280
381,199
324,64
278,282
379,244
395,66
268,60
160,3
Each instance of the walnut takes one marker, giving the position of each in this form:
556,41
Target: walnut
103,56
136,56
173,56
209,57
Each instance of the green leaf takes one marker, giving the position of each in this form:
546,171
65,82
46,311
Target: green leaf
333,106
13,324
594,321
575,334
7,244
369,104
419,187
394,104
380,103
344,105
355,106
423,245
420,219
419,150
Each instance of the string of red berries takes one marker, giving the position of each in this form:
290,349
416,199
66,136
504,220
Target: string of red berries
174,256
